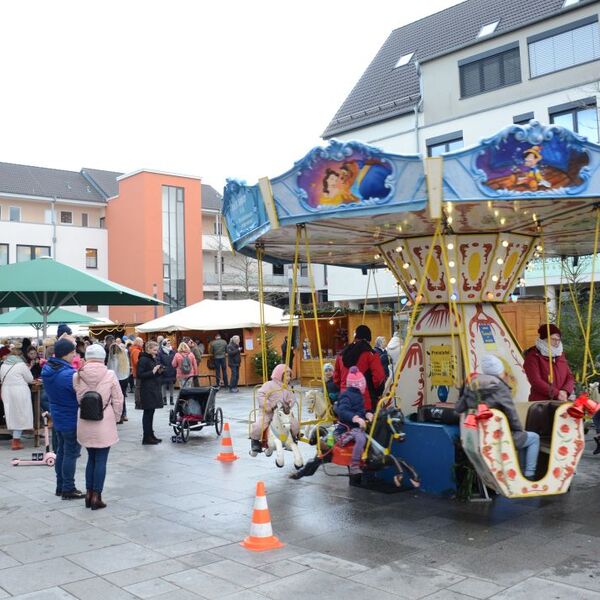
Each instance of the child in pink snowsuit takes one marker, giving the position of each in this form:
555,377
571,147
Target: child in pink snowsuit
269,394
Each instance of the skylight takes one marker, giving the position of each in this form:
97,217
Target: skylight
569,3
489,29
404,60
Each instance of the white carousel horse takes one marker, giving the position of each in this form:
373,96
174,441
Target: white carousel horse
280,437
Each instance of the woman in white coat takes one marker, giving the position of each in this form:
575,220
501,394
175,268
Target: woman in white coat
15,378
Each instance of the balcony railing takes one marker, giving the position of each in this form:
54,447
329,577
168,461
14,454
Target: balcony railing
239,279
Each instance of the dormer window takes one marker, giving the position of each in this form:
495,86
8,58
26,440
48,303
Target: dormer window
487,29
404,60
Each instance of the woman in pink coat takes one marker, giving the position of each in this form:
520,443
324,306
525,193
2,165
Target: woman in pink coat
267,397
97,436
185,363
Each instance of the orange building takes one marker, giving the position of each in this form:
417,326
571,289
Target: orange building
154,227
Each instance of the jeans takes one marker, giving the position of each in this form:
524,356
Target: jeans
235,375
596,420
529,453
95,470
123,384
147,419
221,371
167,387
67,453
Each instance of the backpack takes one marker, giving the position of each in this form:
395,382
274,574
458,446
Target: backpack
90,406
186,364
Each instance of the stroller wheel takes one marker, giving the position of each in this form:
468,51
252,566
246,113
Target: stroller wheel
185,431
172,417
219,421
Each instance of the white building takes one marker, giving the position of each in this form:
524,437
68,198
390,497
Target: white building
464,73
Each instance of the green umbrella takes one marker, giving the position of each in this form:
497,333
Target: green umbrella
30,316
45,285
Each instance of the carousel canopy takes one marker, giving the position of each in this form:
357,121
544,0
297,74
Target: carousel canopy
212,315
355,200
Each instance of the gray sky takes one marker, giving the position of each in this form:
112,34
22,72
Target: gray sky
224,88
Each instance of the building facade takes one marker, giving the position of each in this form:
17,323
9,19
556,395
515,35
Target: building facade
462,74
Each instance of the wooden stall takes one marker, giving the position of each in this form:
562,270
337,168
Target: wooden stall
336,329
524,318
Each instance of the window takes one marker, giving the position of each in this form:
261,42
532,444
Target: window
66,217
102,222
404,60
487,29
564,47
173,246
303,270
218,227
91,258
580,116
84,219
92,308
490,70
444,143
3,254
25,253
278,269
14,213
217,264
523,119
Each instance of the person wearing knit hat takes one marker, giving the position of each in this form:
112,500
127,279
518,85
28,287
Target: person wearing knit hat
63,328
492,388
360,354
352,418
268,396
57,375
537,367
332,389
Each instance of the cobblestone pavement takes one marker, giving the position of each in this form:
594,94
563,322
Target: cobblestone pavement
175,517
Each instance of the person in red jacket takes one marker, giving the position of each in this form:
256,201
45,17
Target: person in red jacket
360,354
537,367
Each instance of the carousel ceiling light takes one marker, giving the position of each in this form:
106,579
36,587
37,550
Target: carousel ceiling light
505,243
451,263
496,213
450,246
500,261
453,296
377,256
405,266
449,220
419,298
331,321
412,281
494,277
534,217
502,221
452,279
539,247
490,296
399,228
399,249
535,255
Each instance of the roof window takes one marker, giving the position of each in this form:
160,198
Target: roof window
569,3
488,29
404,60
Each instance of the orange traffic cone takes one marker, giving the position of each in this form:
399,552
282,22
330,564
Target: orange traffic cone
226,454
261,533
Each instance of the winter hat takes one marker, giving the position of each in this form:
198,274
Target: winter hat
362,332
543,330
63,347
356,379
63,328
95,352
492,365
278,371
327,367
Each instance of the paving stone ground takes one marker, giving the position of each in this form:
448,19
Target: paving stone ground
175,518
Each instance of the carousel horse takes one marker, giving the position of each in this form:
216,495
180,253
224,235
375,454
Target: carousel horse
317,405
280,438
387,429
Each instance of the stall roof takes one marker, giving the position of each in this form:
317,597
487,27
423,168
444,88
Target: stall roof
211,315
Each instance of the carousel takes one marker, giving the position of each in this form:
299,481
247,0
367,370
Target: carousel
457,232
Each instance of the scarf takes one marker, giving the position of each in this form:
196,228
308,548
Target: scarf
166,350
545,350
12,359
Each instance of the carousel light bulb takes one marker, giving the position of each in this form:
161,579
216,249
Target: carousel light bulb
405,265
419,298
536,255
452,279
377,256
496,213
399,249
494,277
403,301
505,243
534,217
539,247
490,296
331,321
450,246
500,261
502,220
412,281
399,228
453,296
449,220
449,207
451,263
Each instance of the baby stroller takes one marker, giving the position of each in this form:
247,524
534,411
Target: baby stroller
195,408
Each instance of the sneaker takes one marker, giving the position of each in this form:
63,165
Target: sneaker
73,495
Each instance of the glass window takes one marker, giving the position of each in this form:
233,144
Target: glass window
217,264
173,245
218,227
15,213
565,49
3,254
582,120
25,253
92,308
490,73
277,269
66,217
443,147
102,222
84,219
303,270
91,258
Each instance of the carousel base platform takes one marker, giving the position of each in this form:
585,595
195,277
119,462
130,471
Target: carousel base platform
431,449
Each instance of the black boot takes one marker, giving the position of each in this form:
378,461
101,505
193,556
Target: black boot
171,401
149,441
310,468
255,447
597,449
156,439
